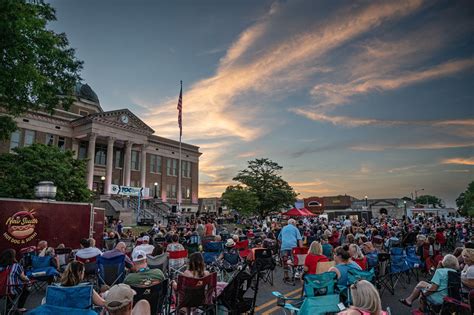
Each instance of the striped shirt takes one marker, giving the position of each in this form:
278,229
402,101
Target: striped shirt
14,280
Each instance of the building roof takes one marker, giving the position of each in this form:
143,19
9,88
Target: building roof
86,92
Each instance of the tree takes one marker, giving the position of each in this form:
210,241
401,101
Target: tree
240,199
38,70
23,170
429,200
262,177
465,201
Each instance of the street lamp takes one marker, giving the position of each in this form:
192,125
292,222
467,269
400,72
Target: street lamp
405,205
156,187
103,186
45,190
366,202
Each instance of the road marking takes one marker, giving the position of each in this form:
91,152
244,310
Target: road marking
289,294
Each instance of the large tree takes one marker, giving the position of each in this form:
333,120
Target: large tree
38,70
21,171
465,201
430,200
262,177
241,199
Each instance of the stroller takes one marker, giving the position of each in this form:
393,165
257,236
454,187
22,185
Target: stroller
295,264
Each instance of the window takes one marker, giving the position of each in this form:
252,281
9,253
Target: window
49,139
118,159
15,140
186,169
135,160
172,167
83,113
29,137
101,154
155,163
82,154
185,192
62,143
171,191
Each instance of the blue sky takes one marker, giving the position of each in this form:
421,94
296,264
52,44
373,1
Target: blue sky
361,98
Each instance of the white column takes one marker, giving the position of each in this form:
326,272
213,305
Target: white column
127,163
90,162
110,162
75,147
143,167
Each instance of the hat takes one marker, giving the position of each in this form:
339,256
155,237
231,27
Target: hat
146,238
138,255
119,296
230,243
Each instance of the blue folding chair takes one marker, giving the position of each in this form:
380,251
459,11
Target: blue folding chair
75,300
42,271
414,262
111,270
212,250
398,265
354,275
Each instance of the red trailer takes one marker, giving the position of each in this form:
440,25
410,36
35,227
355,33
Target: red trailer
26,222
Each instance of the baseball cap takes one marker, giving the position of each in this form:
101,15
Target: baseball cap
139,255
119,296
230,243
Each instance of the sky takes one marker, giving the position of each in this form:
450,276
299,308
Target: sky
361,98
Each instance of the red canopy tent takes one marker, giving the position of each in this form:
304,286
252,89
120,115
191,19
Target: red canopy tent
309,213
298,213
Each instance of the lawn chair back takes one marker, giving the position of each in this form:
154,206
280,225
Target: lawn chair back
354,275
155,294
320,284
323,266
90,265
110,243
4,281
243,247
196,292
78,297
26,254
232,297
454,285
64,255
158,262
111,270
264,259
299,255
212,250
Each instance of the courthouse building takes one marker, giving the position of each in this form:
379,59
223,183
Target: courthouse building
121,149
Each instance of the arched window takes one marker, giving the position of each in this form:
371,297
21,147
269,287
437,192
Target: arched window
314,204
383,211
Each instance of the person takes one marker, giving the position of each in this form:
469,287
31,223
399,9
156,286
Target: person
86,251
145,246
467,274
119,301
73,275
209,228
143,275
289,237
327,248
315,255
365,300
196,268
258,244
438,288
119,250
200,228
357,256
343,265
120,228
16,277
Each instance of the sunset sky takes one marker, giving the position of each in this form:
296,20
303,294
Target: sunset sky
359,98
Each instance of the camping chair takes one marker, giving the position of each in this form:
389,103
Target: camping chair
155,294
129,246
414,262
383,275
324,266
42,272
196,293
296,267
158,262
265,264
453,303
207,239
229,265
8,299
111,270
212,251
232,297
398,266
110,243
90,268
27,254
354,275
75,300
174,270
64,255
243,248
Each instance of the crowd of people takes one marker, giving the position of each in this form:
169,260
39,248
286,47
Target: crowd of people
344,244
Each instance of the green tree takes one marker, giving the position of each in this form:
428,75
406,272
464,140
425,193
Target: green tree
21,171
465,201
240,199
38,70
429,200
262,177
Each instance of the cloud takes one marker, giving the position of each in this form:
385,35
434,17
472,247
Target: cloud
459,161
411,146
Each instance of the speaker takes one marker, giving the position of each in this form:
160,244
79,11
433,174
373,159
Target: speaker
174,209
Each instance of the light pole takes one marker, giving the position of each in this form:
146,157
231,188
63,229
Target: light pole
102,179
156,187
405,205
366,202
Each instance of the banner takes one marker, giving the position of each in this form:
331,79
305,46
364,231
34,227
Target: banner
130,191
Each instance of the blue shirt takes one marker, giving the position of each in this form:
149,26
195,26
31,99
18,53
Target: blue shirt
289,237
440,278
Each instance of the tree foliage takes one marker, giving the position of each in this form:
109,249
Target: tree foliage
429,200
21,171
262,177
38,69
465,201
241,199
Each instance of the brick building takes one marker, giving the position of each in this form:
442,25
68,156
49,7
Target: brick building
121,149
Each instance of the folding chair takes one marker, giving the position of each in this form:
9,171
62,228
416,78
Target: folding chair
454,302
174,270
158,262
324,266
212,251
414,262
67,301
383,274
155,294
243,248
354,275
398,266
8,300
197,293
111,270
265,264
90,268
297,264
64,255
110,243
232,297
42,272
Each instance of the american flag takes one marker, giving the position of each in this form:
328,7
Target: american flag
180,110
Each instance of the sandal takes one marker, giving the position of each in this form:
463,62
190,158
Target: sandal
404,302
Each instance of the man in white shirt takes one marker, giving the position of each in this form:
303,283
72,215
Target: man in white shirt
147,248
87,251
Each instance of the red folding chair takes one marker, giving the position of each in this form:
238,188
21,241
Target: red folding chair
174,269
196,293
243,248
90,267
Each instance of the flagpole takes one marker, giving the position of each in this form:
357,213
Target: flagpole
179,161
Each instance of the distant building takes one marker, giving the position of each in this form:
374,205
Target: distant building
211,205
393,207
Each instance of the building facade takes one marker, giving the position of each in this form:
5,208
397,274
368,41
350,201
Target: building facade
121,150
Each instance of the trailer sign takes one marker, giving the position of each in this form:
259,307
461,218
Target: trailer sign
20,227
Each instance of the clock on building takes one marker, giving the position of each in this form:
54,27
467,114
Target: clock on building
124,119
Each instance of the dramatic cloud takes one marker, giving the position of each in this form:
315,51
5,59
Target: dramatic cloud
459,161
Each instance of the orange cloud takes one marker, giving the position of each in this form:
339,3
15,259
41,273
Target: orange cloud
416,146
459,161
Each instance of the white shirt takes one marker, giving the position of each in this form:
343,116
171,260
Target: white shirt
147,248
88,252
347,222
